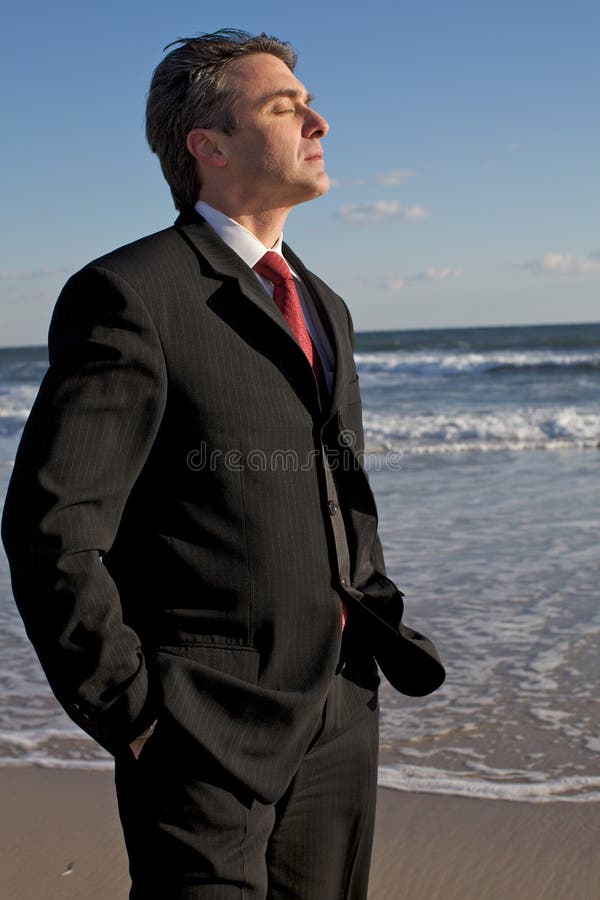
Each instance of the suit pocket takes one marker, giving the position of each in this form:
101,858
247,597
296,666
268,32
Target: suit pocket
205,691
236,661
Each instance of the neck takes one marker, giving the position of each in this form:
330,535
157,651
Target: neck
264,224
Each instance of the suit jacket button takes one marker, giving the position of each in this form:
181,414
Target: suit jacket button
332,507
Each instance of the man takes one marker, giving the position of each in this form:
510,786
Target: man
193,540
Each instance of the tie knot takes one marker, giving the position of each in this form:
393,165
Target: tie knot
273,267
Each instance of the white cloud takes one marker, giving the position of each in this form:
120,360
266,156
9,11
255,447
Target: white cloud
432,273
439,274
567,264
416,214
394,283
564,264
29,274
394,178
381,211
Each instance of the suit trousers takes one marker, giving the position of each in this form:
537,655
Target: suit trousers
193,833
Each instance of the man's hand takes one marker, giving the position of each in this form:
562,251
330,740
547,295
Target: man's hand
137,745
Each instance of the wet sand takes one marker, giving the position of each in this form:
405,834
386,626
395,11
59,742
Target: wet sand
61,838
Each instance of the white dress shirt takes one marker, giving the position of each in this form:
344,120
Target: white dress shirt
250,249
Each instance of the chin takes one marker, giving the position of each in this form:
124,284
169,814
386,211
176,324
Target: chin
310,190
326,184
321,185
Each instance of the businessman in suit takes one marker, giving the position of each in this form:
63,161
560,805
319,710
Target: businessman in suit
192,537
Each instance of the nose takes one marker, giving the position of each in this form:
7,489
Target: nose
315,126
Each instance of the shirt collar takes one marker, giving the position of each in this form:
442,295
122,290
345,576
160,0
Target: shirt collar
243,242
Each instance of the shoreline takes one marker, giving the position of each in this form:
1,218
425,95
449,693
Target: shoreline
62,839
538,792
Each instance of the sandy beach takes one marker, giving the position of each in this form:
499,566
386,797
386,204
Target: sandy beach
61,839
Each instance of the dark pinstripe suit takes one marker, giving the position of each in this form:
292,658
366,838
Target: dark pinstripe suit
168,523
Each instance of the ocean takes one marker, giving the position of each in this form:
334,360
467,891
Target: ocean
483,450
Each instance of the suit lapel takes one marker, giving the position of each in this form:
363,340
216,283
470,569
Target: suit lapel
226,263
334,318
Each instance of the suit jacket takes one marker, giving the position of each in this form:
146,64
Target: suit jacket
169,518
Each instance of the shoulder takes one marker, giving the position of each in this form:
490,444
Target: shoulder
122,285
144,255
151,269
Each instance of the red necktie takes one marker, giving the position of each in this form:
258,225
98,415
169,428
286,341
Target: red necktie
274,268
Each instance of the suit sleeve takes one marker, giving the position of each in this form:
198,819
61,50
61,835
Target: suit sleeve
356,426
89,433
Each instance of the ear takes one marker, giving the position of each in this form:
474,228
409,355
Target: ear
203,144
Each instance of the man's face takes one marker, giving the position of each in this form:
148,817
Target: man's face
275,154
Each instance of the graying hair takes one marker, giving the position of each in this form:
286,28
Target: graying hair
190,89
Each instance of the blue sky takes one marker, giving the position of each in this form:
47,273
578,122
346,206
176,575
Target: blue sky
464,148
